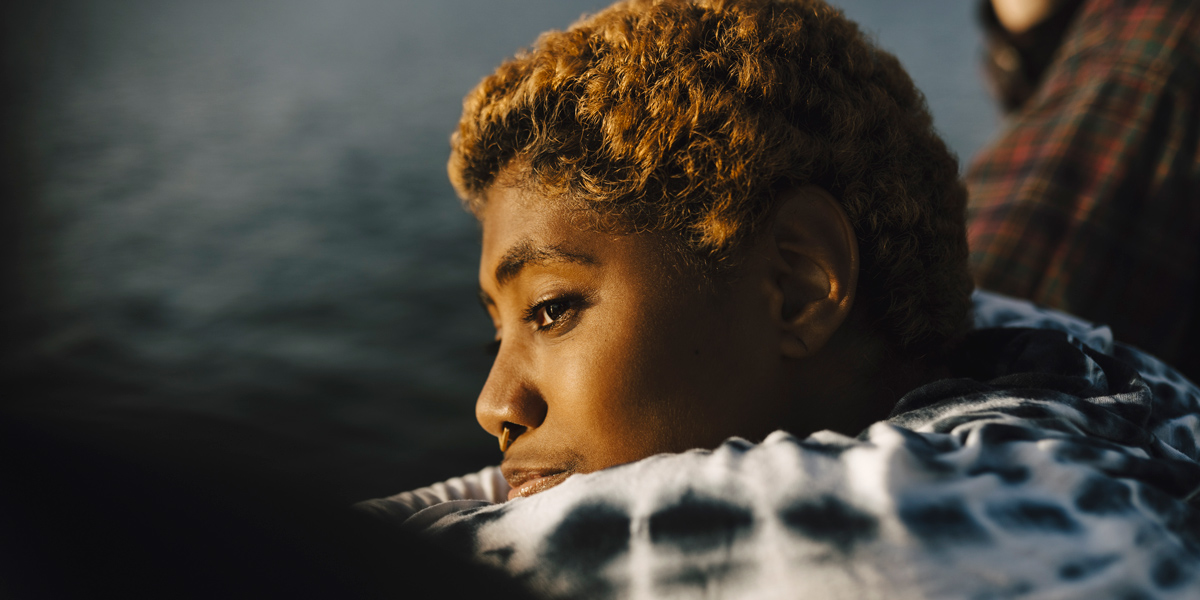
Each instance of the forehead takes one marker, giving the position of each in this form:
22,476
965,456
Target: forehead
516,213
517,217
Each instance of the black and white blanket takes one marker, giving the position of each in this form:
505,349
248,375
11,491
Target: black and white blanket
1056,464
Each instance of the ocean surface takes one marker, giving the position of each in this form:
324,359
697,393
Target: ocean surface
230,229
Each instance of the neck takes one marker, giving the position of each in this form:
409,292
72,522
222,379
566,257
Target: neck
854,381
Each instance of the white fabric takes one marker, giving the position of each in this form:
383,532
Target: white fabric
487,485
1051,466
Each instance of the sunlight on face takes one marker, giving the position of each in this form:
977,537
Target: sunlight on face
609,350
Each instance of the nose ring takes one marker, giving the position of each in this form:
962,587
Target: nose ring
504,438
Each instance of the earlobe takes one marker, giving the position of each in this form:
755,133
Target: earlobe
816,256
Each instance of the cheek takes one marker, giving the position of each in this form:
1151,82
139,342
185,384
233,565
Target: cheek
657,374
608,393
599,377
706,371
652,373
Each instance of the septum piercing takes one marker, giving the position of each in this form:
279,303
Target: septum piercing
505,433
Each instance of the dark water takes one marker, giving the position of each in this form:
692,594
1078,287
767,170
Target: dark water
230,229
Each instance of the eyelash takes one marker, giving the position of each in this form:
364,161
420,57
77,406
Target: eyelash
571,305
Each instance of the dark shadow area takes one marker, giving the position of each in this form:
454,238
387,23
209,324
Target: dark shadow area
88,512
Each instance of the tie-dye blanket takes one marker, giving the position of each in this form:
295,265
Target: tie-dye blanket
1057,464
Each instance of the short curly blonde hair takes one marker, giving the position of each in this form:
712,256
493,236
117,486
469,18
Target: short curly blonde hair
691,116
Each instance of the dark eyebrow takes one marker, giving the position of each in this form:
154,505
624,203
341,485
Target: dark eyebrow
525,253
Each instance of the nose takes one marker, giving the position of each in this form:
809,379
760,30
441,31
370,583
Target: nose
510,397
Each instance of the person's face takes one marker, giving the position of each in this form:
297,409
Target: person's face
609,350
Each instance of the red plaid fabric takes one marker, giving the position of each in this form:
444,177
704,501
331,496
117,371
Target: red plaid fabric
1089,200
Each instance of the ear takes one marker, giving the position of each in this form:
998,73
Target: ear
814,254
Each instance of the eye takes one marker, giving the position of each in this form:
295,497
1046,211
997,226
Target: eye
550,312
554,312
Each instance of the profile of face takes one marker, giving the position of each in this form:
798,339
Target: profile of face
612,349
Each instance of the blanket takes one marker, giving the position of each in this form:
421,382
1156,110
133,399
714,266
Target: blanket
1055,463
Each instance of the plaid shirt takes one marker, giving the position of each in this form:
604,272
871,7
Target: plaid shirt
1089,200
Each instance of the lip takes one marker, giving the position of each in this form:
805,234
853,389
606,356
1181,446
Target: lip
529,482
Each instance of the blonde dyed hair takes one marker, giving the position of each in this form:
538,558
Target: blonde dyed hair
691,116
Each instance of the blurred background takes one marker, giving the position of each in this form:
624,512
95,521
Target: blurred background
228,239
